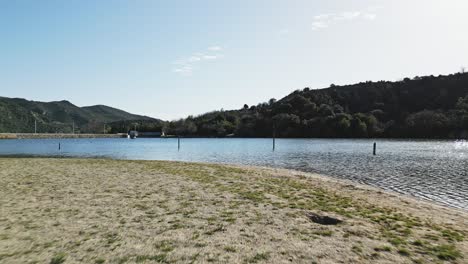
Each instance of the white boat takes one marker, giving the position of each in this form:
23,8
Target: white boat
132,134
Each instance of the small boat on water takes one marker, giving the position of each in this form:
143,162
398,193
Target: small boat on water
132,134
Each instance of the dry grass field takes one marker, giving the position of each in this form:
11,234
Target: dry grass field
109,211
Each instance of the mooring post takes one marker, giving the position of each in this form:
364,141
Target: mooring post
59,146
375,148
178,143
274,137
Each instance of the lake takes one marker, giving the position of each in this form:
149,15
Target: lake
432,170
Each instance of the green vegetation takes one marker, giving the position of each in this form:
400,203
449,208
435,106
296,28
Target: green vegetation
165,246
161,258
230,249
58,259
446,252
100,261
357,249
18,116
259,257
422,107
404,252
383,248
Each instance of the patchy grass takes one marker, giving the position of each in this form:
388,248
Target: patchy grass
100,261
357,249
160,258
383,248
326,233
146,211
404,252
230,249
396,226
165,246
259,257
446,252
58,259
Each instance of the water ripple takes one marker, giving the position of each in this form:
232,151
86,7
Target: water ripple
431,170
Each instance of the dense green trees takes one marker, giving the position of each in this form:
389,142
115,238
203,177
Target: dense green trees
422,107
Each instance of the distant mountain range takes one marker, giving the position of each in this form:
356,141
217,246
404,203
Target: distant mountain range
19,115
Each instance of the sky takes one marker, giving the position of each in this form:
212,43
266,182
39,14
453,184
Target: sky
171,59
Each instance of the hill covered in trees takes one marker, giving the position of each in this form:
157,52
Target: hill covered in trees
421,107
18,115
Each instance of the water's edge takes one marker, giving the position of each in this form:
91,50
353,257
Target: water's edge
429,170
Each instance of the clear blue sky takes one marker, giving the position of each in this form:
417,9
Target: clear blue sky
169,59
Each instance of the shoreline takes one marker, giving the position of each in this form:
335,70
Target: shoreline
324,177
124,135
352,185
126,211
57,136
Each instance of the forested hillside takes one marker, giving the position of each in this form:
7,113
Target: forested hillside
421,107
19,115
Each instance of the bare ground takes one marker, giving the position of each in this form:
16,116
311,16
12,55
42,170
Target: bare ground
57,135
108,211
7,136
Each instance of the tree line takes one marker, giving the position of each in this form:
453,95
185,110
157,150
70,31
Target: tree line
420,107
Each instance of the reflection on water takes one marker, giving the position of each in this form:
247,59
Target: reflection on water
433,170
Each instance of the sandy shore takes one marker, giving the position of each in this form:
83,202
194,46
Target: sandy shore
108,211
8,136
58,135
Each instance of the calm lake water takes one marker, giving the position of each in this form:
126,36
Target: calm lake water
432,170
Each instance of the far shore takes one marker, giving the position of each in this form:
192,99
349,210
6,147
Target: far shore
57,135
124,135
122,211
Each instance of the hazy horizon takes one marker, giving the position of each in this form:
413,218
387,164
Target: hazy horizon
170,60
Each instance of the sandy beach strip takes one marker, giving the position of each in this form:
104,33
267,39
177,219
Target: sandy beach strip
113,211
57,135
8,136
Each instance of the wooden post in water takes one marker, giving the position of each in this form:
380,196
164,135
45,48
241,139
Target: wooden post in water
274,137
59,146
375,148
178,143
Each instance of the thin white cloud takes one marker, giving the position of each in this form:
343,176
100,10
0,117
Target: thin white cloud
323,16
186,66
370,16
194,59
348,15
316,25
184,70
210,57
322,21
215,48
